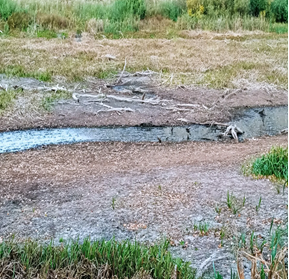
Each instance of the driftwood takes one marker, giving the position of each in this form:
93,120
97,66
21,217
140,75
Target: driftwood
118,110
233,130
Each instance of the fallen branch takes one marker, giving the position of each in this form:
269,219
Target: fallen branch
116,110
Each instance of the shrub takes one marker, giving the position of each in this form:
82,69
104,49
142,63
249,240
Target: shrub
172,9
19,20
7,8
280,10
257,6
273,163
242,7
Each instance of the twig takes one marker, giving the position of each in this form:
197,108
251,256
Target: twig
121,72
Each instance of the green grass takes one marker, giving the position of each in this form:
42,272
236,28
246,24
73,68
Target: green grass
19,71
90,259
48,34
49,101
125,15
6,98
273,163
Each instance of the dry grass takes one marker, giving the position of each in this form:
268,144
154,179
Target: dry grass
206,58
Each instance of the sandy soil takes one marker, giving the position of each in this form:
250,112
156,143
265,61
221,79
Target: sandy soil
143,191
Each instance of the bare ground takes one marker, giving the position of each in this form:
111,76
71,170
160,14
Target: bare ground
142,191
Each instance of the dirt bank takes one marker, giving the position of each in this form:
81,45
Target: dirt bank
138,101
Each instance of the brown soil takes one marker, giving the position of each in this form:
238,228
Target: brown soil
143,191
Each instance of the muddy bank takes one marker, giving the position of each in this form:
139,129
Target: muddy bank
161,106
142,191
250,123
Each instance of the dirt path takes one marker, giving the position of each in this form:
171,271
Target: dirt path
142,191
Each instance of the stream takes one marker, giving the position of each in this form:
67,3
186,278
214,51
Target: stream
254,122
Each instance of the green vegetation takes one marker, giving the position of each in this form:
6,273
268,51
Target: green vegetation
6,98
19,71
92,260
203,228
234,204
125,16
49,101
256,251
48,34
273,163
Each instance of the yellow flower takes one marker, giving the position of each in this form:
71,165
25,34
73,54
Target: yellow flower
202,9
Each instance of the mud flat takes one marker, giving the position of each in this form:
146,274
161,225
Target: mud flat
159,190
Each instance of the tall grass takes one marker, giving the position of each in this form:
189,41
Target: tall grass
117,16
99,259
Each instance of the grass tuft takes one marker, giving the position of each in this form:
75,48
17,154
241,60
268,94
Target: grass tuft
6,98
273,163
90,259
19,71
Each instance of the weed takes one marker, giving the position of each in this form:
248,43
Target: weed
203,228
252,242
113,203
273,163
217,275
182,243
229,200
61,240
89,259
271,224
233,203
222,236
244,200
242,240
259,204
218,210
